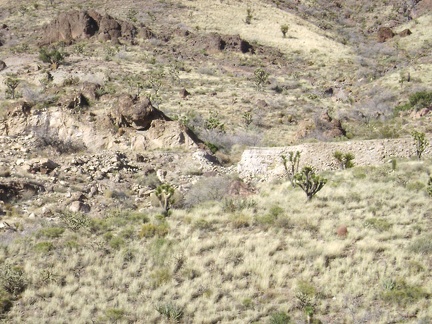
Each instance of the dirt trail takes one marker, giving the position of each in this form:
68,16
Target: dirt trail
266,163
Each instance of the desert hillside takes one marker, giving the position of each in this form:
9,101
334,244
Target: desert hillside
227,161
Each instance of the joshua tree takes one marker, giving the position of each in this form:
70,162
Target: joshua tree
249,16
292,169
310,182
261,77
421,143
11,83
164,193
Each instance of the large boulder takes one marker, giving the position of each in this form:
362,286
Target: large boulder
135,112
384,34
2,65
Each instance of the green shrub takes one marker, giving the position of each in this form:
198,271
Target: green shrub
114,314
116,243
171,312
231,205
160,277
13,279
417,101
75,221
240,221
378,224
51,55
51,232
279,318
203,225
43,247
150,230
401,293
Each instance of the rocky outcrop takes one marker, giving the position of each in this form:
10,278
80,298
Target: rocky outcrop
215,42
76,25
15,189
165,134
136,112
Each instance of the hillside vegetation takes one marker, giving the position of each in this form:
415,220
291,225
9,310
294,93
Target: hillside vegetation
124,197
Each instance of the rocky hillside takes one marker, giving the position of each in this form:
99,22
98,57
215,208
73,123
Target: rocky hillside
143,139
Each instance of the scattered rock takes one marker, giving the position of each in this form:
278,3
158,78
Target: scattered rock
420,113
328,92
76,101
184,93
384,34
90,90
405,32
342,231
2,65
79,207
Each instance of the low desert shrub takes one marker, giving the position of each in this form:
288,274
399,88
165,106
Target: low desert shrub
150,230
50,232
422,245
160,277
401,293
13,279
5,302
75,221
279,318
43,247
378,224
171,312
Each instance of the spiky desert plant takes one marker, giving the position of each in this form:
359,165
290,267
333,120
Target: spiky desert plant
11,83
421,143
164,193
309,182
261,77
345,159
249,16
292,169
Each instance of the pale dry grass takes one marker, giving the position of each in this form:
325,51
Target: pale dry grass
246,266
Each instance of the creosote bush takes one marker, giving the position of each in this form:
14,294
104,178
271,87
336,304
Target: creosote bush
52,56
